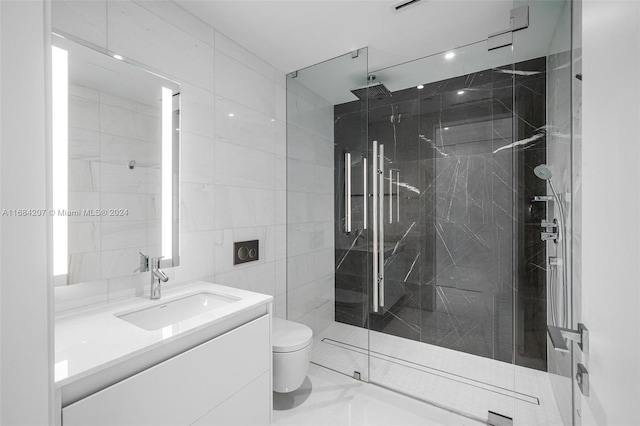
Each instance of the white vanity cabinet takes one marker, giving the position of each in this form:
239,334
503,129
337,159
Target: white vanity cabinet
224,381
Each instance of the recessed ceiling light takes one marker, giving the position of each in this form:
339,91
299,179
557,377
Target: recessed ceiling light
273,119
446,128
231,114
118,57
449,55
420,86
460,92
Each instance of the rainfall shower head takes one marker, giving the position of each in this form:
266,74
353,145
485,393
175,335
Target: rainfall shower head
543,172
372,90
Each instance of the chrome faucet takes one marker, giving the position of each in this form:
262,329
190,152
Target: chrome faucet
157,275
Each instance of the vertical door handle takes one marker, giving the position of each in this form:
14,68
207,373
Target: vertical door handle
390,196
374,214
365,193
347,192
398,196
381,228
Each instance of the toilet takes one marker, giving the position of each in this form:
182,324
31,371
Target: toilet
291,354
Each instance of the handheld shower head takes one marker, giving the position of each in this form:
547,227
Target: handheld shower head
543,172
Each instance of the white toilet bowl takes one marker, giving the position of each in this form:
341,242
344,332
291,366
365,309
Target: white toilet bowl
291,354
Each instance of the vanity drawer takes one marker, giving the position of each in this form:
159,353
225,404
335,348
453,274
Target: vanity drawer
183,389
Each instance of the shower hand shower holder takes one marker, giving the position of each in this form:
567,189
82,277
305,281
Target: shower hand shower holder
559,334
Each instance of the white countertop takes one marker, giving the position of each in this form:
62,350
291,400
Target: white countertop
92,339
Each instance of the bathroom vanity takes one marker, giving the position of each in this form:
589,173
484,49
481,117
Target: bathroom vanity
201,355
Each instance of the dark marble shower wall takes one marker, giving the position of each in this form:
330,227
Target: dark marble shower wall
465,222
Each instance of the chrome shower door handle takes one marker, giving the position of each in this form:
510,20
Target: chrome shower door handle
374,214
390,196
381,227
347,192
398,196
365,193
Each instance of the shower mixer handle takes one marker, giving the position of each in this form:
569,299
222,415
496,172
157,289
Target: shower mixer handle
544,198
546,236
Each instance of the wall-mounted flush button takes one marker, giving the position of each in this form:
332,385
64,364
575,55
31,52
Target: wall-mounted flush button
245,251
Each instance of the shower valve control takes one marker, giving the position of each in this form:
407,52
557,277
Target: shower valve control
545,235
543,198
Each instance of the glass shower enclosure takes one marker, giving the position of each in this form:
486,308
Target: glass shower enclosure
414,223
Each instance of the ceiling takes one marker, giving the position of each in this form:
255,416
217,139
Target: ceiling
295,34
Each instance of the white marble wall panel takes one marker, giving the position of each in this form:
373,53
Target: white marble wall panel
233,174
241,84
123,234
246,126
122,262
238,53
197,163
84,175
237,165
140,207
196,200
134,32
259,278
84,113
124,122
84,237
84,144
119,178
237,207
121,150
84,267
84,200
86,20
151,109
197,110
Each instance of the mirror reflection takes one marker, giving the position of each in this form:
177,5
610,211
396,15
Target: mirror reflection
115,165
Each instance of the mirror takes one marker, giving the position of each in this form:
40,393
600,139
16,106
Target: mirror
115,151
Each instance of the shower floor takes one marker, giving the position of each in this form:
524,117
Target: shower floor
453,380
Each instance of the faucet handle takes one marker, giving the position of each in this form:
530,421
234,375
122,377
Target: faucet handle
144,263
155,261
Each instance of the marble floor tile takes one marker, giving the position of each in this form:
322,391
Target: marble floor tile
330,398
457,381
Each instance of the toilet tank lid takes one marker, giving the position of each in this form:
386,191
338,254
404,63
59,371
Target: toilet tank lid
289,336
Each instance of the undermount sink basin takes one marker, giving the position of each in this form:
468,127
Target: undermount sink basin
174,311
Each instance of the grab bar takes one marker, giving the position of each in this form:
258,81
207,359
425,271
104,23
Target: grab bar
347,192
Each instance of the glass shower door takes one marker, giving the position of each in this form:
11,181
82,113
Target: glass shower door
327,210
442,329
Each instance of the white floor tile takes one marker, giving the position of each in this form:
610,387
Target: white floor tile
455,380
329,398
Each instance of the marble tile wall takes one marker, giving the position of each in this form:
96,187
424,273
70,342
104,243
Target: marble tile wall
232,167
310,198
106,133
